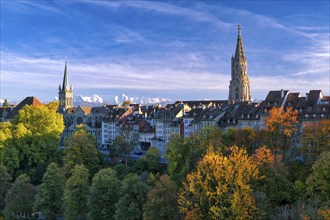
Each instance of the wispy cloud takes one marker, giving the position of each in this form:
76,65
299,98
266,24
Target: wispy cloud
168,9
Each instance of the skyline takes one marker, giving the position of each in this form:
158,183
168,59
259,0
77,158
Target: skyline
164,49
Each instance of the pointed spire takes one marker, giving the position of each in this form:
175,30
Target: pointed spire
239,53
65,78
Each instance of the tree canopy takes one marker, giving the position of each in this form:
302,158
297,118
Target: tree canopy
20,197
50,192
76,194
133,194
162,201
104,194
81,149
221,187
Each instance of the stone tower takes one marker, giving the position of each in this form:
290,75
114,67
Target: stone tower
239,88
65,93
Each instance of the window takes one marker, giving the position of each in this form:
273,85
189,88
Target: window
236,93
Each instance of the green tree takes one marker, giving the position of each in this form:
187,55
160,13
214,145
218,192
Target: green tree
5,183
318,182
5,103
81,149
221,187
132,197
123,144
162,201
183,155
50,192
104,193
150,162
76,193
19,198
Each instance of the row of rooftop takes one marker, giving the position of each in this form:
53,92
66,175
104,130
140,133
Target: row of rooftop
153,125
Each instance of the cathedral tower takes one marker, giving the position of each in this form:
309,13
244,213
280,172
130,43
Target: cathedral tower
65,93
239,88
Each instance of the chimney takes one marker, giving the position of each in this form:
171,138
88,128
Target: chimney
282,93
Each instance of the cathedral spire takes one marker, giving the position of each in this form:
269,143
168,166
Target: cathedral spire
239,53
65,78
239,88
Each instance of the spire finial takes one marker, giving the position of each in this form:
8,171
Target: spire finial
239,29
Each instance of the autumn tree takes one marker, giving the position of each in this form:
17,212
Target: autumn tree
81,149
133,194
315,139
50,192
162,200
19,198
282,126
5,183
220,188
104,194
76,194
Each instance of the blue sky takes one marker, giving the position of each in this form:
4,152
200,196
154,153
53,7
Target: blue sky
173,49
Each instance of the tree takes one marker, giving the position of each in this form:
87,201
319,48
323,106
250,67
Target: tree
150,162
19,198
5,103
132,197
33,142
315,139
81,149
221,187
162,201
76,194
282,126
318,182
50,192
183,155
5,183
104,193
123,145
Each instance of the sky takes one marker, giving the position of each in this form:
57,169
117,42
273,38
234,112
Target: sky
173,49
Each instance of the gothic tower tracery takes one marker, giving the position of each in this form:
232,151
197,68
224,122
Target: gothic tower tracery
65,93
239,88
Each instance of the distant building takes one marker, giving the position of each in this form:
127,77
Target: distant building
239,88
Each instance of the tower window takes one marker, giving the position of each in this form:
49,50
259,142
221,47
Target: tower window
236,93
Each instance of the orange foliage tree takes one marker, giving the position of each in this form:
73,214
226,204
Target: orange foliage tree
282,126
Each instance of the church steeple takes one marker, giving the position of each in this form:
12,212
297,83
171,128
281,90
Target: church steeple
65,93
239,53
239,88
65,78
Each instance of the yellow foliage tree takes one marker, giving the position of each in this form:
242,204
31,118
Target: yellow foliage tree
221,188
